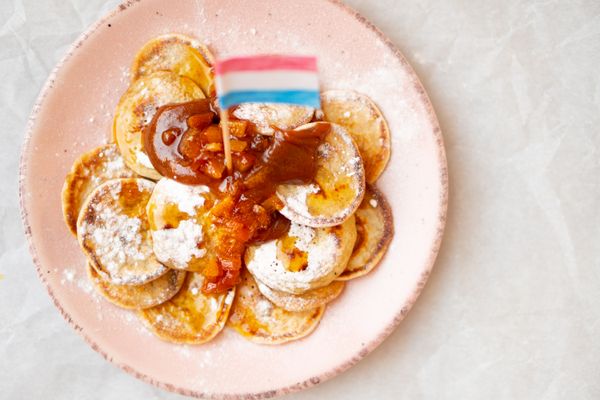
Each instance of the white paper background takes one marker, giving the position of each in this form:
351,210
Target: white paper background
512,310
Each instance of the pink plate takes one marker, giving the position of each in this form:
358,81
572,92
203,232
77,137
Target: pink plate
74,114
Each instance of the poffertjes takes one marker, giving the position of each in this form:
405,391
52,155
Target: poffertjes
136,109
264,246
364,122
308,300
260,321
303,259
89,171
374,228
338,187
191,316
180,225
142,296
177,53
113,232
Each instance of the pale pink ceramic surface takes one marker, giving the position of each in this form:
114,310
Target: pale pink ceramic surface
74,114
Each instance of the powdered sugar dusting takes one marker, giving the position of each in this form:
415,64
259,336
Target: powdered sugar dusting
264,311
143,159
177,246
108,164
389,84
186,197
119,243
298,202
115,189
68,275
264,308
115,166
304,236
267,116
184,351
114,163
321,245
119,240
206,358
353,166
265,257
85,285
323,252
73,277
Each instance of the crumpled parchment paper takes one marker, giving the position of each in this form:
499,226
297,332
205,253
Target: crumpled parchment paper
512,310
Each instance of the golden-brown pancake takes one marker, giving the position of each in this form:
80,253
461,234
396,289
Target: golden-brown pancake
302,302
338,187
268,117
113,232
365,123
180,224
177,53
303,259
375,228
260,321
136,109
191,316
89,171
139,297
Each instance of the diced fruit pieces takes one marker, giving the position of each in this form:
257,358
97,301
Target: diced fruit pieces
213,134
199,121
238,145
190,146
214,147
237,128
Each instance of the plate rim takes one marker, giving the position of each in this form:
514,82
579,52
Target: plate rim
341,367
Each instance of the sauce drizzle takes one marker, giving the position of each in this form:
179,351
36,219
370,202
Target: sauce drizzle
184,143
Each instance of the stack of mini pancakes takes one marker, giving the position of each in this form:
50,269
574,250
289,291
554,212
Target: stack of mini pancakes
149,241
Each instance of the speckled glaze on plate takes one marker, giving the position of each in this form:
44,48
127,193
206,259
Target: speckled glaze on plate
74,114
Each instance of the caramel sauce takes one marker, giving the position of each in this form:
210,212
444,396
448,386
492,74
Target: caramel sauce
253,325
165,133
182,142
298,259
172,216
132,200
